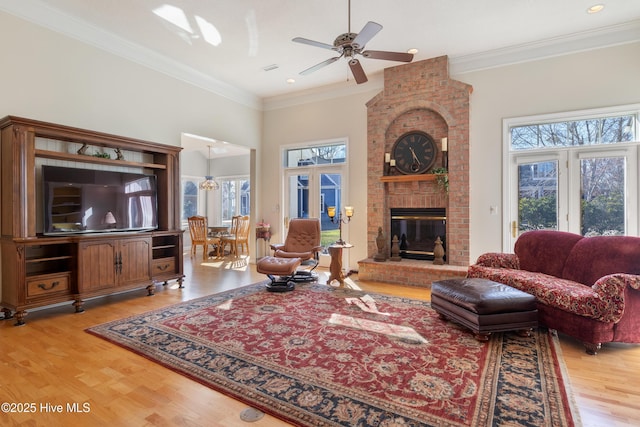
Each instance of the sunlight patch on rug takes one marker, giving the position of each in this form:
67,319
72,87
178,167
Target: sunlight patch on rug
404,332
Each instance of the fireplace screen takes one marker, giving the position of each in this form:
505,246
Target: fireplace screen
417,230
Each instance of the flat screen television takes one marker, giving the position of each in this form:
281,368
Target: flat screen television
93,201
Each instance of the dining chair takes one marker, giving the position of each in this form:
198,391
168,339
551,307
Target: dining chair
199,236
238,237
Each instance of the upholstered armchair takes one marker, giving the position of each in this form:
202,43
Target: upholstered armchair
302,241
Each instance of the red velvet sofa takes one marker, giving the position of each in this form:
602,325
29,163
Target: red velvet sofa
585,287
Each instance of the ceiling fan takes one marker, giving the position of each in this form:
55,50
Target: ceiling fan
349,44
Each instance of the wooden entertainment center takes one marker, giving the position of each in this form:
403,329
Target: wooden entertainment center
40,270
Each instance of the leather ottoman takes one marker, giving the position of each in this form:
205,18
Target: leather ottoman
280,271
484,306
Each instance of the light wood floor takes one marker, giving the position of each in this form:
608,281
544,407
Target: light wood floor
51,360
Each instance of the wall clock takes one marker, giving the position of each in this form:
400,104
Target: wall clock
414,153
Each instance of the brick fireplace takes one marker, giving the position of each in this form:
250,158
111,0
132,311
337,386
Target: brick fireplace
418,97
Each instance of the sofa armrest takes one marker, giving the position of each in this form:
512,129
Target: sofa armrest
614,284
610,290
499,260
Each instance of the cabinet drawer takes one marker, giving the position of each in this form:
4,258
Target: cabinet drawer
162,266
45,285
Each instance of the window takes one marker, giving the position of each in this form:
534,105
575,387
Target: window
574,133
190,198
315,178
573,171
316,155
235,199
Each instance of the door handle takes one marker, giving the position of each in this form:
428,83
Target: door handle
514,229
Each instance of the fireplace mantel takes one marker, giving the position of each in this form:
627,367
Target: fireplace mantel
410,178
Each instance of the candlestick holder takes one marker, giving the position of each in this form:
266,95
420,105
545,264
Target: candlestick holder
348,213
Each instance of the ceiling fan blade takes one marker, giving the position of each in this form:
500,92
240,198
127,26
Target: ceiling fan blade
313,43
389,56
320,65
369,30
358,72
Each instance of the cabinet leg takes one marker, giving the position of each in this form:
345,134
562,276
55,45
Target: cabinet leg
180,285
151,290
7,314
78,305
20,318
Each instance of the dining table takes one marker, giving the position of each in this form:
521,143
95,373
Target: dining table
218,230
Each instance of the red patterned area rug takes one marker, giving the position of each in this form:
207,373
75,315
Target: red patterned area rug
323,356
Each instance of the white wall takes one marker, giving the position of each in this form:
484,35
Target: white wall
318,121
47,76
591,79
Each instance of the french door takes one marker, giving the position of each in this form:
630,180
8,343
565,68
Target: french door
581,190
307,194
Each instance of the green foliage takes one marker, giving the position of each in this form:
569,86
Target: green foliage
329,237
442,178
537,213
603,215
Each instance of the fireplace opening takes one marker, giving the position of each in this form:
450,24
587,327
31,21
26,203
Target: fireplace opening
417,230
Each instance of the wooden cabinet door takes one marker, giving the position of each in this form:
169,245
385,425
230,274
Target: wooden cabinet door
135,261
97,265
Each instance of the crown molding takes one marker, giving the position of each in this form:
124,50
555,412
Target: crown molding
323,93
45,16
628,32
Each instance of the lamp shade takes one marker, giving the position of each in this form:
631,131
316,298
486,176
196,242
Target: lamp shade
348,211
209,184
109,218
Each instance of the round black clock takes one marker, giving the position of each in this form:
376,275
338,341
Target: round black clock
414,152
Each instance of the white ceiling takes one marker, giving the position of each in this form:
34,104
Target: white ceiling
255,34
211,148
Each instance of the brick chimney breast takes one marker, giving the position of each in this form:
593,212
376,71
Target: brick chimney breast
420,96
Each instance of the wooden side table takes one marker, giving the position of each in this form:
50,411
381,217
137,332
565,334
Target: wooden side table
335,268
263,231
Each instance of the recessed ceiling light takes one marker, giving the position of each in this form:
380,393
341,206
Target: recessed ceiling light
412,51
595,8
291,81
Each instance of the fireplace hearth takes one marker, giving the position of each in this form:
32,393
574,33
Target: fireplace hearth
417,230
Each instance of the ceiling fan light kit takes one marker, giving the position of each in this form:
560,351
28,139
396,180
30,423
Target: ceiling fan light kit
349,44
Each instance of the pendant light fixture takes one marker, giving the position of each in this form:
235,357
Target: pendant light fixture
209,182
